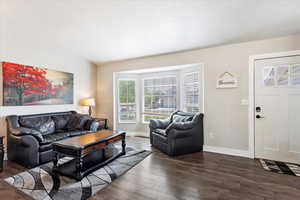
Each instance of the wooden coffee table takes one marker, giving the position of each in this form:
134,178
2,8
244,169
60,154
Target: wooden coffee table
88,152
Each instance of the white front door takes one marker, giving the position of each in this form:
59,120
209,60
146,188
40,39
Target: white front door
277,109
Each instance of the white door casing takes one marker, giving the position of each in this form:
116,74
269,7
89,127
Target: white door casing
277,131
251,94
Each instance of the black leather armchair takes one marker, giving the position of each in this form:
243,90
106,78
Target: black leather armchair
182,133
30,137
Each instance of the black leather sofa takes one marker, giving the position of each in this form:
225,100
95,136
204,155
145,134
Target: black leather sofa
30,137
182,133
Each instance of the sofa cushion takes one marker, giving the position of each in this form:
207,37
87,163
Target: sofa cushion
77,122
45,125
54,137
61,121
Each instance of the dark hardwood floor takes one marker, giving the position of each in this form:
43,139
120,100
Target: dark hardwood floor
196,176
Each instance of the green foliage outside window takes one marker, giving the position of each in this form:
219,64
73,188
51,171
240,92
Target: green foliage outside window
127,91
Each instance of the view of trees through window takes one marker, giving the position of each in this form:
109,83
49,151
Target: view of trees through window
159,97
127,101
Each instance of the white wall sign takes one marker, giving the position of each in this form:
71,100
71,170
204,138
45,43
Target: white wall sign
227,80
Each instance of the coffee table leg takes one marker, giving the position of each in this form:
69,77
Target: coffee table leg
55,159
1,156
79,164
123,147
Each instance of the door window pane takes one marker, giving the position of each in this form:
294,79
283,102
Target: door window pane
295,75
283,75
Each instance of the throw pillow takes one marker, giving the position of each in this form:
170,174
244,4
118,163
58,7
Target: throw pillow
45,125
61,122
77,122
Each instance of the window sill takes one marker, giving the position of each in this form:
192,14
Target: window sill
127,122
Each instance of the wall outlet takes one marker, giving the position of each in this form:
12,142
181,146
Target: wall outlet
244,102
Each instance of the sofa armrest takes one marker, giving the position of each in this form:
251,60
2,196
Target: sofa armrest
17,130
158,123
25,140
23,150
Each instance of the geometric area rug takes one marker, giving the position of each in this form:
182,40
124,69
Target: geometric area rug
41,184
280,167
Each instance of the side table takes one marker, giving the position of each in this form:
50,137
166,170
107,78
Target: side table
103,122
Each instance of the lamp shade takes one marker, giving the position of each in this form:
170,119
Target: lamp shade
87,102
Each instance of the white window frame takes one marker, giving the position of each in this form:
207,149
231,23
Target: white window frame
184,105
143,95
135,101
139,83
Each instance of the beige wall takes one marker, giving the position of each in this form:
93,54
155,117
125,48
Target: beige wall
225,117
84,85
18,45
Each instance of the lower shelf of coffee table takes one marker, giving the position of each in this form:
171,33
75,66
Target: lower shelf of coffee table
90,163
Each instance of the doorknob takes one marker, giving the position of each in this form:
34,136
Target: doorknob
259,117
258,109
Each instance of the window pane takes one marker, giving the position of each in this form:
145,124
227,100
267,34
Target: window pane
127,112
148,117
159,97
147,103
123,91
127,116
192,109
191,92
127,106
131,92
148,91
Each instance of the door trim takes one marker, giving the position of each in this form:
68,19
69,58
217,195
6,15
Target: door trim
251,120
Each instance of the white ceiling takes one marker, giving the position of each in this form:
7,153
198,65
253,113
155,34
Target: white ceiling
107,30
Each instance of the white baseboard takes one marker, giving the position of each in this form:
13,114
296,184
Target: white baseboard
227,151
212,149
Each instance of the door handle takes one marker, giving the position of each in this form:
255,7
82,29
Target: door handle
259,117
258,109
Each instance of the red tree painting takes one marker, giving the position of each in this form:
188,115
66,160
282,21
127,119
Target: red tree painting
29,85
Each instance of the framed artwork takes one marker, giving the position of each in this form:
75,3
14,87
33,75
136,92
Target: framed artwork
227,80
27,85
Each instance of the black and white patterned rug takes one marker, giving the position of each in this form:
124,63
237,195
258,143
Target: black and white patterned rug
280,167
41,184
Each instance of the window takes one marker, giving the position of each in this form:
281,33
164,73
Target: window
159,99
191,91
127,101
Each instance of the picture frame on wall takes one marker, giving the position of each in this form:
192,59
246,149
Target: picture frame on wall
227,80
25,85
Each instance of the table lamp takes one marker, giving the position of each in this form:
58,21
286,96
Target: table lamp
88,102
